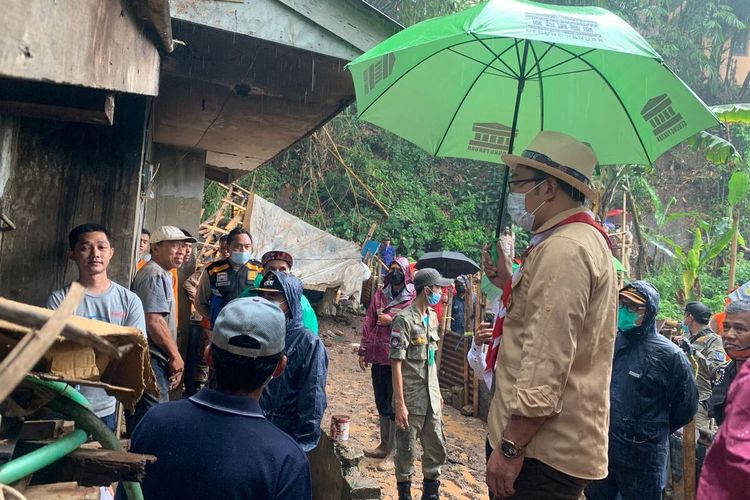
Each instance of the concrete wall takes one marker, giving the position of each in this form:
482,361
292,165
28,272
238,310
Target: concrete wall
62,174
178,189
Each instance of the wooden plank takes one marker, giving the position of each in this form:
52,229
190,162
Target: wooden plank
102,116
31,317
688,460
42,429
94,467
32,347
90,43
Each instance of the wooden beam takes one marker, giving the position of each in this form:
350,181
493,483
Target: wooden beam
32,347
93,467
57,102
688,461
32,317
87,43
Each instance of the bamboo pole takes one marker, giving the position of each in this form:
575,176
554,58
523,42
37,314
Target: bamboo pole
688,461
447,312
733,251
337,155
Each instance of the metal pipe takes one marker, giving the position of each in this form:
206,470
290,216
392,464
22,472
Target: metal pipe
20,467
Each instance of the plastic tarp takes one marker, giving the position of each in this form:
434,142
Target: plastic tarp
321,260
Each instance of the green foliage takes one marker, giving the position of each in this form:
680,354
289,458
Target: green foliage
714,287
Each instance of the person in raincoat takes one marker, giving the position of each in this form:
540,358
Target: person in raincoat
277,260
652,394
374,349
295,402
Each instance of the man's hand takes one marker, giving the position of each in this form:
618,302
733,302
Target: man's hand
363,364
384,319
402,416
176,369
498,273
502,473
483,335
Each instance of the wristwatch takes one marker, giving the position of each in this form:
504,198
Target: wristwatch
510,449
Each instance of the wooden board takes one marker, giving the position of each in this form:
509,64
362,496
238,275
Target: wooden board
34,345
92,43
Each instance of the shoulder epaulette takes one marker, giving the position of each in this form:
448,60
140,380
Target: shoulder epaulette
217,267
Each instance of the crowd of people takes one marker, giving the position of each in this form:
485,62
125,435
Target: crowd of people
585,391
257,376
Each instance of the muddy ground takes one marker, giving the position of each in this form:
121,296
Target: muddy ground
350,393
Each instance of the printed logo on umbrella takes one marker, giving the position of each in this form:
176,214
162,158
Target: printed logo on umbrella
563,26
378,71
663,118
490,138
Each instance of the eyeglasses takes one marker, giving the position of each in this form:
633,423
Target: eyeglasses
632,307
521,181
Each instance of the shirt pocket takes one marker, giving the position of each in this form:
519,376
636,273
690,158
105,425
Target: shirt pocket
418,352
516,305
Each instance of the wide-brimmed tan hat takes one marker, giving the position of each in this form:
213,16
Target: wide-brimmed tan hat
560,156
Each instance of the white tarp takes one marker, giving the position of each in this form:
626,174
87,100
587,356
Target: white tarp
321,260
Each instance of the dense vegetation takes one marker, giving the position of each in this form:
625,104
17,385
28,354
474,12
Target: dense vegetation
351,174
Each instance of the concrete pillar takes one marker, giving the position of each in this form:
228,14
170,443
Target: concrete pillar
178,186
58,175
178,189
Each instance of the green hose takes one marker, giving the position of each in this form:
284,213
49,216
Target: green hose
63,389
22,466
73,404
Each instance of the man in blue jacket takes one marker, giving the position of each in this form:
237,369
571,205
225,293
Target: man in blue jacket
653,393
295,402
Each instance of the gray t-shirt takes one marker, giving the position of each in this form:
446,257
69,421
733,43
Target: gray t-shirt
118,306
153,285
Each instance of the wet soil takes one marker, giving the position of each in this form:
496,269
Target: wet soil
350,393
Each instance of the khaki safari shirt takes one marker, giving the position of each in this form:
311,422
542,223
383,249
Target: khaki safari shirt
415,343
555,358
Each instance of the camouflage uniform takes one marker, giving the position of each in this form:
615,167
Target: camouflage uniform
711,357
414,341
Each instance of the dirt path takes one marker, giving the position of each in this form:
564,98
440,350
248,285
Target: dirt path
350,393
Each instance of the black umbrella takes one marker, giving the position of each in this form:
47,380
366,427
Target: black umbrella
450,264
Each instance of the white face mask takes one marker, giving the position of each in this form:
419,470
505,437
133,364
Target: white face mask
517,209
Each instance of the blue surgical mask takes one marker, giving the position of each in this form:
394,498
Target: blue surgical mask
240,258
434,298
685,329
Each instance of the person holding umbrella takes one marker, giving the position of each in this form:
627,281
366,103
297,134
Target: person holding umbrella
549,416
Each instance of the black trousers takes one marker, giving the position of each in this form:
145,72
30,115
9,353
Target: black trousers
382,385
538,480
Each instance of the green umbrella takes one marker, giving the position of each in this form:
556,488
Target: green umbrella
485,81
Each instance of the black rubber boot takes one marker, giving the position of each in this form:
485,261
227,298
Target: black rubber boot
431,489
404,490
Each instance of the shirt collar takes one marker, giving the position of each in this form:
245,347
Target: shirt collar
228,403
559,218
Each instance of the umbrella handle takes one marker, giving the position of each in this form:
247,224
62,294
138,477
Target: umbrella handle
501,210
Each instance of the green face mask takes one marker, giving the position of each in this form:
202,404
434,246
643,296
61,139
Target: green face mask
626,319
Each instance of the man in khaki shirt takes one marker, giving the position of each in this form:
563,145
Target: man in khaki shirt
549,416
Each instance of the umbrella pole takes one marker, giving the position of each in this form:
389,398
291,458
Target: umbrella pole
519,91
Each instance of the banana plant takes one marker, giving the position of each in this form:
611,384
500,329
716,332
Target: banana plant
721,151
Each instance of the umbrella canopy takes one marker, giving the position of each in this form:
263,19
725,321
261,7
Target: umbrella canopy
450,264
485,81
